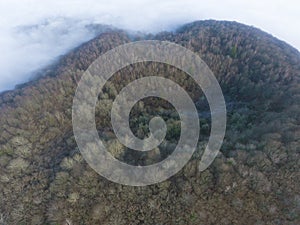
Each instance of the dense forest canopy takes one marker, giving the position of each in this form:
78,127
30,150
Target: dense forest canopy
254,179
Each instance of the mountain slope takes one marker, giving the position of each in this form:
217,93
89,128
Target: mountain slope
254,180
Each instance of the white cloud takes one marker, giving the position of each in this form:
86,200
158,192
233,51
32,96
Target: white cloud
24,52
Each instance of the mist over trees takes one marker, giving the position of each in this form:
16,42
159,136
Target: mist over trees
254,179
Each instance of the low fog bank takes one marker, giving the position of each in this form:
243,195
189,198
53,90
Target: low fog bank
33,47
34,33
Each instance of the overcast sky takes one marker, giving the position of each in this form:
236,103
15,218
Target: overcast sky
61,25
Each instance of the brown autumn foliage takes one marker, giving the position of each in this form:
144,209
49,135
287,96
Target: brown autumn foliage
254,180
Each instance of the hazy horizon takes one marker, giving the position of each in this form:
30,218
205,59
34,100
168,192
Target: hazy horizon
34,33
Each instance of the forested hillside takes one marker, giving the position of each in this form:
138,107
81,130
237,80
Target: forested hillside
254,179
